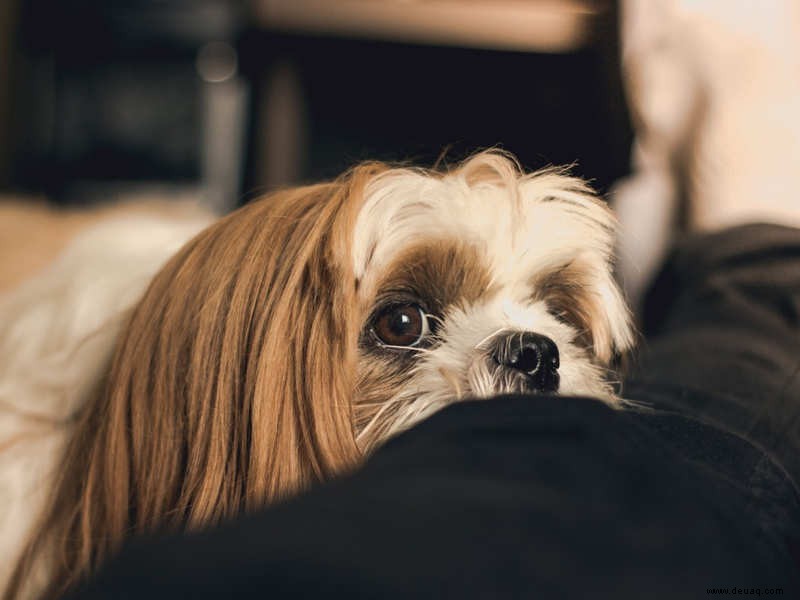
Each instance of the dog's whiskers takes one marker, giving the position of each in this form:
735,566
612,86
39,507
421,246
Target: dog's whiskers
368,434
451,378
497,332
409,348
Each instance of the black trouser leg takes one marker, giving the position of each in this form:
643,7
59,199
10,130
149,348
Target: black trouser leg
722,325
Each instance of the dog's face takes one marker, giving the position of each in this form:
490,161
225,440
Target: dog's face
477,284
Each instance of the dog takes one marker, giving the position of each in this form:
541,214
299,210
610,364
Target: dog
287,341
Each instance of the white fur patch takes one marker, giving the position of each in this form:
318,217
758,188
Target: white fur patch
57,333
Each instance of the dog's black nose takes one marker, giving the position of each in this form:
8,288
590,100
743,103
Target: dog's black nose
532,354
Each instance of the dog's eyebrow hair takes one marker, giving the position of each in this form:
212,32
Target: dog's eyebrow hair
581,214
561,200
450,270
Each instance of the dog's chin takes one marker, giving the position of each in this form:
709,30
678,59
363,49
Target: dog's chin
403,399
581,378
486,378
514,382
407,406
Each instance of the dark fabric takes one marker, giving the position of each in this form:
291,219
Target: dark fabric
540,497
722,331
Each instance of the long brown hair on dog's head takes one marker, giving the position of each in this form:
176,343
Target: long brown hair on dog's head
229,389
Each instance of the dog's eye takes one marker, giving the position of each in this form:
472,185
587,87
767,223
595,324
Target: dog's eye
401,325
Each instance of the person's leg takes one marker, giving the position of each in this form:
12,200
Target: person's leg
722,325
722,321
714,90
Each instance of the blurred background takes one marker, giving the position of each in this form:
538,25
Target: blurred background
230,98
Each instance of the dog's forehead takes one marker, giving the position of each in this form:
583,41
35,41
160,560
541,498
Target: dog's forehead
511,234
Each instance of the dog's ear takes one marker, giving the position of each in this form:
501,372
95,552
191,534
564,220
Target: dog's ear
244,351
608,318
576,277
231,386
583,293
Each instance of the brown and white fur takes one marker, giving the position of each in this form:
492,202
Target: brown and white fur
254,366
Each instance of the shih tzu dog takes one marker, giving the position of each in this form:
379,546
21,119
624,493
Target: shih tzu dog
289,339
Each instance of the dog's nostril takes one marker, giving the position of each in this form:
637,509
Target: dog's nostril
527,359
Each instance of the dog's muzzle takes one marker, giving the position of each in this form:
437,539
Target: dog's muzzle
530,359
